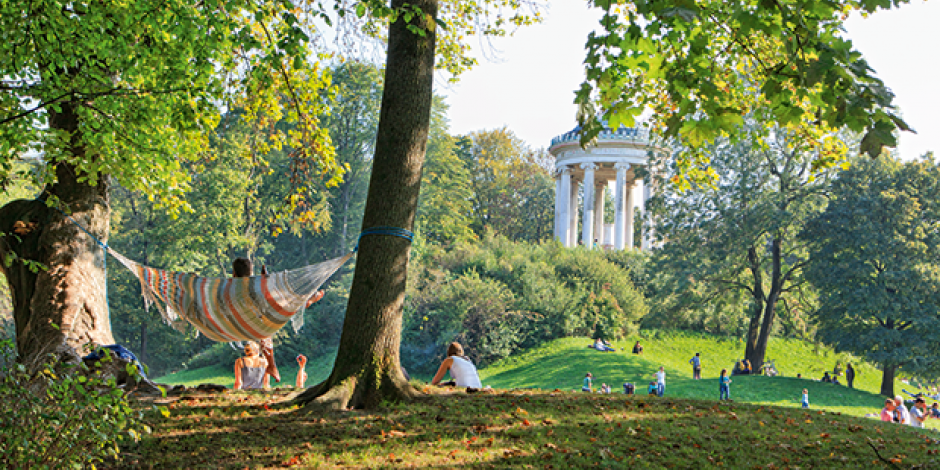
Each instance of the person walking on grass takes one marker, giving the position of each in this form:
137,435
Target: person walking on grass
661,382
724,386
696,362
805,400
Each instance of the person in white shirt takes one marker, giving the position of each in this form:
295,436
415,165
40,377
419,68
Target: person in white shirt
904,416
661,381
462,370
919,413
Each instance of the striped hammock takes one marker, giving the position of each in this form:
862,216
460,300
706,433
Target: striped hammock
232,309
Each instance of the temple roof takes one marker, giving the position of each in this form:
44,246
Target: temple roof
608,134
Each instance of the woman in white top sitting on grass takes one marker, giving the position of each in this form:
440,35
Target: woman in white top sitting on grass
462,371
250,370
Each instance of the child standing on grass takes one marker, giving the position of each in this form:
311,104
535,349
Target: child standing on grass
724,386
805,400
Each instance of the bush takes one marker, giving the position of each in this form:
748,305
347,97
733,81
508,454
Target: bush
58,416
499,296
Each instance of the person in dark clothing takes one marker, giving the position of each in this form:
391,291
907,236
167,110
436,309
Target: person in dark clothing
849,374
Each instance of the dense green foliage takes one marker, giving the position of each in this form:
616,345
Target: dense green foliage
703,65
513,188
61,416
499,296
876,264
731,260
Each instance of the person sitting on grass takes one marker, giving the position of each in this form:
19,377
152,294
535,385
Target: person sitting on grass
745,367
250,370
462,371
653,389
935,410
919,413
903,416
602,346
637,348
826,378
887,413
586,387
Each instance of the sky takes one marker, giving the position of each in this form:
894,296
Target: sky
529,86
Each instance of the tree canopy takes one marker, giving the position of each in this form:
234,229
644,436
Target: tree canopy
876,264
702,65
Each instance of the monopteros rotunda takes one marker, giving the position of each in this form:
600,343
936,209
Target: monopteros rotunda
612,161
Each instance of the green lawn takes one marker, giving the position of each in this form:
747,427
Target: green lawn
562,364
318,369
500,428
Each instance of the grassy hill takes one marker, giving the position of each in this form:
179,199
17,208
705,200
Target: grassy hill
501,428
562,364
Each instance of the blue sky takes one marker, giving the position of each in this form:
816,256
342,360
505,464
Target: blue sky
529,86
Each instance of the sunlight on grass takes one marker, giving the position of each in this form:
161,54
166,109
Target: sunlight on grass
562,364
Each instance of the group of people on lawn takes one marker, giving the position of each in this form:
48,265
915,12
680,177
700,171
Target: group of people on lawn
895,412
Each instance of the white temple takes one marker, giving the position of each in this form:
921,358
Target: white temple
612,161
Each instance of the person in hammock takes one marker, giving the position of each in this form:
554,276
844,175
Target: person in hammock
241,267
250,370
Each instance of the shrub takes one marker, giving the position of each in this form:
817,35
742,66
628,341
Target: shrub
59,415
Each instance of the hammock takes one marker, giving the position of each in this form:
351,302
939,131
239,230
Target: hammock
232,309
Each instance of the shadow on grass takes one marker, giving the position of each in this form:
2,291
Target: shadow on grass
564,430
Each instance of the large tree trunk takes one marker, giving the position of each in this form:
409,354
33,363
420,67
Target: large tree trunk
368,369
887,380
757,293
62,306
770,307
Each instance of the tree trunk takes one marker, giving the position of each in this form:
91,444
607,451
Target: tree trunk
62,307
753,328
770,307
887,380
368,368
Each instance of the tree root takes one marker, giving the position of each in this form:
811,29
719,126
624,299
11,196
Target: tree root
355,392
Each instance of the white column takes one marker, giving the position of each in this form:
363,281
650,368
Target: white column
647,235
628,216
562,200
587,221
620,205
599,213
556,227
572,215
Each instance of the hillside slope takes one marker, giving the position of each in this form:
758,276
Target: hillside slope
563,363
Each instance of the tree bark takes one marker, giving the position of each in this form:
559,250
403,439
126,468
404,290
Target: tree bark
367,370
61,307
757,293
770,307
887,380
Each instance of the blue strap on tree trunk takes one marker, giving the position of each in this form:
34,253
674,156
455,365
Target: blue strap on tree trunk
385,230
